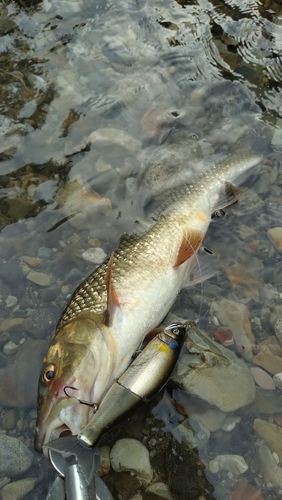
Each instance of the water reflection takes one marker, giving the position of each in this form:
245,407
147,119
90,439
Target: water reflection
100,102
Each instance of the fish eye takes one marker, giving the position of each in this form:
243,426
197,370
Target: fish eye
48,373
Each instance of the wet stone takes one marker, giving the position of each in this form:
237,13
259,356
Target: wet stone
277,379
15,325
262,378
106,138
19,489
44,253
9,420
271,472
278,329
271,434
232,463
40,279
131,455
234,315
11,301
10,348
275,236
96,255
267,360
15,457
223,381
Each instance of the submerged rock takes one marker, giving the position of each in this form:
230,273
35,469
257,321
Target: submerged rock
106,139
271,472
232,463
235,316
222,380
262,378
271,434
15,457
19,489
267,360
40,279
275,236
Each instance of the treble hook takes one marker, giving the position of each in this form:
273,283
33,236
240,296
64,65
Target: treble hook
94,406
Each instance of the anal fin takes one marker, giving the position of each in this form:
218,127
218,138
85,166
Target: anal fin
204,265
192,239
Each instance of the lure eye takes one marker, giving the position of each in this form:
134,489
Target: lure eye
49,373
175,331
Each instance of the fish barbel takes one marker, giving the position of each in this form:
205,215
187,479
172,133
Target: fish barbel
125,298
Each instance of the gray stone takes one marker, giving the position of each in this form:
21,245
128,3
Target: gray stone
15,457
132,456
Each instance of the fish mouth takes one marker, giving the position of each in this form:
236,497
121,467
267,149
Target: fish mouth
67,423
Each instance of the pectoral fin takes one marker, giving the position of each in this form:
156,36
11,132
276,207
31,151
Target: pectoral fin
192,239
230,195
112,298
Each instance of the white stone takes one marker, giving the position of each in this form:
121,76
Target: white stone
11,301
132,456
213,466
96,255
230,423
10,348
232,463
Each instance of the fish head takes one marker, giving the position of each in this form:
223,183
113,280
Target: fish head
77,367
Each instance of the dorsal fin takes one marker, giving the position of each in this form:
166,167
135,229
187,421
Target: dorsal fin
112,298
191,240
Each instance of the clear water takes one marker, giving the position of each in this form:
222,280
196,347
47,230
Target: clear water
188,82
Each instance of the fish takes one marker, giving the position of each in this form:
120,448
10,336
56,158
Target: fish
126,298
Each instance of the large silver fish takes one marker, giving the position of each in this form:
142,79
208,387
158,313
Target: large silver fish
112,311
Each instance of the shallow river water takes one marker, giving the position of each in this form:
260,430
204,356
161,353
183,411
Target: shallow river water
100,102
